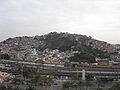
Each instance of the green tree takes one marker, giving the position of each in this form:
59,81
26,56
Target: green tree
5,56
87,84
99,89
101,82
46,81
68,84
37,80
116,86
16,82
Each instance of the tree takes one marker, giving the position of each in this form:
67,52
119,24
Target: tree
87,84
83,57
35,79
30,88
116,86
99,89
68,84
5,56
40,80
46,81
101,82
8,88
16,82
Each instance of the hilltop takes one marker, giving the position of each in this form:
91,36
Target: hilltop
87,48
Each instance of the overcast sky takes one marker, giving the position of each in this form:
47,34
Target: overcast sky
97,18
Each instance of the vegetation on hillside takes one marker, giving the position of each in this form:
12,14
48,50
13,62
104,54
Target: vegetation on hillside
63,43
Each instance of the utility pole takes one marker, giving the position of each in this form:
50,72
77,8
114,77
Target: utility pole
83,74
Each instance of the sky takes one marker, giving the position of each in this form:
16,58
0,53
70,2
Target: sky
97,18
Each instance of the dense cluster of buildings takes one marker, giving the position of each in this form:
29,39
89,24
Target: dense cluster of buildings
27,51
24,48
4,77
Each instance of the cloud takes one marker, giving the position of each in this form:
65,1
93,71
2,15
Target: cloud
31,17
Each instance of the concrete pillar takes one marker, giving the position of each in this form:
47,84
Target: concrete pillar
83,74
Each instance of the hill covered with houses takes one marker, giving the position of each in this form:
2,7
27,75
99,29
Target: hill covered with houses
58,48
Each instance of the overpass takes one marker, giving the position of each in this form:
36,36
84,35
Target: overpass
95,71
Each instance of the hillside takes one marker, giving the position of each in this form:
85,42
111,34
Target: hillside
66,40
87,47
